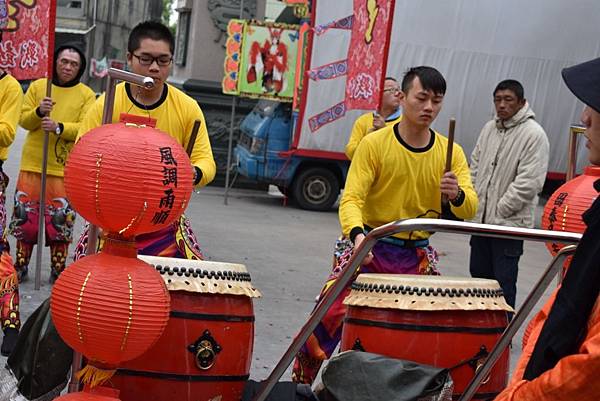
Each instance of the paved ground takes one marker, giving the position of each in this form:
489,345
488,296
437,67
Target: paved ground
288,253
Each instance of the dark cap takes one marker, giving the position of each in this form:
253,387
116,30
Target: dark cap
584,81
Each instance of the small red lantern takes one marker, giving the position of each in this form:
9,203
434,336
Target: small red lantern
128,179
566,205
92,394
110,306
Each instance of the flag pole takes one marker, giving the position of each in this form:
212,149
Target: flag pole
42,203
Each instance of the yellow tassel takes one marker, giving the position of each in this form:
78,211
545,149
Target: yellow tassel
94,376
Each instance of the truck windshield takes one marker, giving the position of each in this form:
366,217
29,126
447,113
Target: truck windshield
266,108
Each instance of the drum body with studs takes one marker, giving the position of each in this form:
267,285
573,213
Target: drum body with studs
205,351
447,322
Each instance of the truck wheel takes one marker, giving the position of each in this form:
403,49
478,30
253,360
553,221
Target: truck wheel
316,188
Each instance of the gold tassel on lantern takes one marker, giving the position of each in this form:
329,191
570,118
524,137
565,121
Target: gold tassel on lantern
94,376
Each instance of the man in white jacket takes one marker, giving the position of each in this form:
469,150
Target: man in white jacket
508,168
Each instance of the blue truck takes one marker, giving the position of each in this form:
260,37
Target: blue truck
268,152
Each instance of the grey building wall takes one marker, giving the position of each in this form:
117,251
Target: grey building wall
204,47
101,27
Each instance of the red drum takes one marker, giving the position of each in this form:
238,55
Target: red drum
447,322
205,351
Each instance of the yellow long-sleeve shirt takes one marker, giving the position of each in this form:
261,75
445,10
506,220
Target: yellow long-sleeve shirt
388,181
11,101
72,102
175,114
361,128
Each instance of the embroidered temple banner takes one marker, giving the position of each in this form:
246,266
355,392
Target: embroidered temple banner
27,36
367,54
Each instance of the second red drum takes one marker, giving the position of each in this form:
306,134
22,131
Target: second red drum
206,350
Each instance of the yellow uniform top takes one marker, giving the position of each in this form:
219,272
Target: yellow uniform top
362,127
388,180
72,102
11,101
175,114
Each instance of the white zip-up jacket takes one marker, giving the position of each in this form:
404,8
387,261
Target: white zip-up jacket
508,168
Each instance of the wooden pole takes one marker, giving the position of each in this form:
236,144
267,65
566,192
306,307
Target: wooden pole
42,207
449,149
190,146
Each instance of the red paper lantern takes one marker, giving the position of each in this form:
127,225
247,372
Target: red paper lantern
92,394
110,306
128,179
566,205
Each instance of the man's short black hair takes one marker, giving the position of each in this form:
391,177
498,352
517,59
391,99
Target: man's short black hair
391,79
511,85
431,79
150,30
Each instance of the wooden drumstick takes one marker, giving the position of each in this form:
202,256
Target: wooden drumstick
451,129
193,135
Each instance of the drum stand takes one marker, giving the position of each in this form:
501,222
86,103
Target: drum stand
484,230
114,75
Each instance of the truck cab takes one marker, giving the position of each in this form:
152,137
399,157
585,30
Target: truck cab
264,153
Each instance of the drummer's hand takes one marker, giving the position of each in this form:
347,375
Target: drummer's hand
449,185
357,241
46,106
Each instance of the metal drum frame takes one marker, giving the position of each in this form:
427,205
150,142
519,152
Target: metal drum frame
457,227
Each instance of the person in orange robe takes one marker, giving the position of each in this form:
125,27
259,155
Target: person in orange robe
561,357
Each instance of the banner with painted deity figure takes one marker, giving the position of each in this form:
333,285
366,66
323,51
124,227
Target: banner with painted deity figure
268,61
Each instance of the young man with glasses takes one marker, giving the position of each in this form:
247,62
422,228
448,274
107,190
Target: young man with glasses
61,116
150,53
389,113
11,100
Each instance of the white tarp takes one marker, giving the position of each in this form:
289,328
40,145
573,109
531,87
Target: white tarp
475,44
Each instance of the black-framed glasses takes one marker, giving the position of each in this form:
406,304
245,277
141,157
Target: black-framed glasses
392,90
146,59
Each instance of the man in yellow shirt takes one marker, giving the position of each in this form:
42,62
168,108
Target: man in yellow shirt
150,53
390,113
11,100
60,117
396,173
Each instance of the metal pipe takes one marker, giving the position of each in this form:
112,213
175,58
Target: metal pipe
484,230
231,128
457,227
518,320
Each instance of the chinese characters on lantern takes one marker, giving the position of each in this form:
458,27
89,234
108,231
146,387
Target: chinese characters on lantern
558,202
169,181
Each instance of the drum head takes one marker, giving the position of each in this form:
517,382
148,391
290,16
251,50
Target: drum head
428,293
202,276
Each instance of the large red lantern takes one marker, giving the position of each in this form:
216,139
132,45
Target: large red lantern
566,205
110,306
128,179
